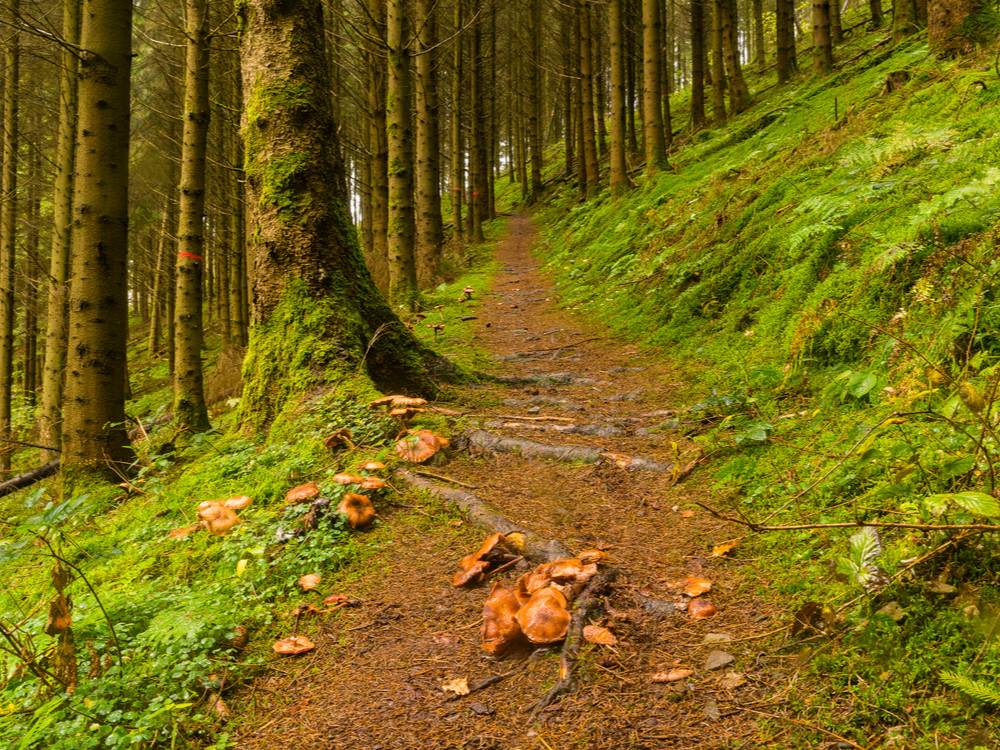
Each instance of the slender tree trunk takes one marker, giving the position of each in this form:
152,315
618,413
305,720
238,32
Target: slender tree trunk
620,181
875,9
32,262
429,231
600,105
739,95
94,432
698,119
836,27
718,64
785,31
190,411
536,143
904,19
759,48
378,258
479,182
401,230
631,53
652,94
568,93
822,46
8,224
50,414
457,146
587,99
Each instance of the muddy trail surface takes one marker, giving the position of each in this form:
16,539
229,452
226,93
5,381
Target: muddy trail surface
377,675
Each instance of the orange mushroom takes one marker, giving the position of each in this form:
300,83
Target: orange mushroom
372,465
294,644
219,520
420,445
302,492
500,627
347,479
544,618
342,438
373,483
471,570
699,609
359,510
309,581
237,503
592,556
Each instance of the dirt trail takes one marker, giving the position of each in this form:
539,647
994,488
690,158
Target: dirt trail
375,679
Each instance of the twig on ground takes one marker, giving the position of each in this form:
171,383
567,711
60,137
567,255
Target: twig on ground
474,688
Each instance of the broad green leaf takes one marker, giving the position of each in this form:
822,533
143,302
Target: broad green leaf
861,383
865,548
975,502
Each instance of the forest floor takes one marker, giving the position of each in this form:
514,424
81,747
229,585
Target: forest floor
376,678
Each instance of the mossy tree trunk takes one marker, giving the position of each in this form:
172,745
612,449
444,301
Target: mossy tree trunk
875,9
53,369
457,144
759,48
190,411
8,223
566,89
904,19
317,317
652,90
718,65
951,26
620,181
94,434
739,95
429,231
378,153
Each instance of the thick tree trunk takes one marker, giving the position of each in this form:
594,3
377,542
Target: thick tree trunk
8,223
718,64
759,48
698,119
620,181
190,411
836,27
94,434
945,19
317,317
652,90
785,33
904,19
53,377
429,231
875,9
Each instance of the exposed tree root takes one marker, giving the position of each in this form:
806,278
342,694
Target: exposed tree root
586,605
482,515
530,449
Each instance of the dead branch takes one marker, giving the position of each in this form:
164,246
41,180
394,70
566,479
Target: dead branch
29,478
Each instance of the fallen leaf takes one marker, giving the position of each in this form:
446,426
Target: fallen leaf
712,709
699,609
672,676
458,686
732,680
695,586
718,659
294,644
443,639
309,581
723,550
716,638
687,514
601,636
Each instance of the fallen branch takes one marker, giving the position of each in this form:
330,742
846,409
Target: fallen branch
758,527
585,606
29,478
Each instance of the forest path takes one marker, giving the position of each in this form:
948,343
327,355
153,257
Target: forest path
375,680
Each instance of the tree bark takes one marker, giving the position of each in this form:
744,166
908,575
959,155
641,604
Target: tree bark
904,19
457,146
698,119
378,253
536,144
479,180
759,48
652,89
620,181
190,411
739,95
822,46
8,224
785,32
875,9
587,99
718,64
53,376
317,317
945,19
94,435
429,231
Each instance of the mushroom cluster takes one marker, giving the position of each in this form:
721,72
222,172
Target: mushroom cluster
357,508
218,516
420,446
537,607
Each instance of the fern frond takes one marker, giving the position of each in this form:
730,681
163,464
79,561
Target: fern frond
980,690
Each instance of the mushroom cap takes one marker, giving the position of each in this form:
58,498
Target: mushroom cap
471,570
348,479
592,556
571,570
420,445
405,412
238,503
695,586
500,627
219,520
302,492
359,510
294,644
373,483
469,289
544,618
404,401
309,581
372,466
489,545
207,504
699,609
383,401
341,437
534,580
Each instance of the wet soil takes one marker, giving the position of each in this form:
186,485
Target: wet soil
375,680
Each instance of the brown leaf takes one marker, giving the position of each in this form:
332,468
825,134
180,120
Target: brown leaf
723,550
695,586
59,617
304,609
732,680
294,644
458,686
309,581
688,514
672,676
600,636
